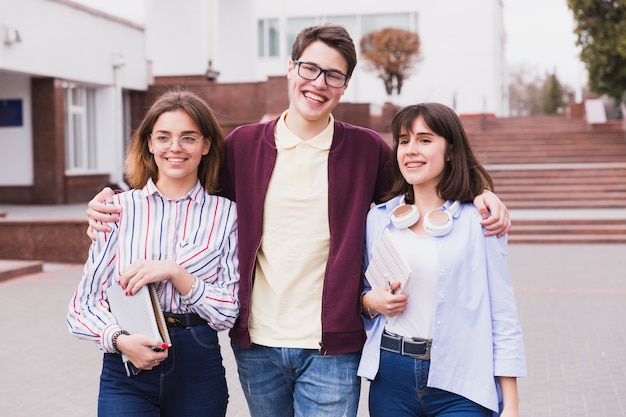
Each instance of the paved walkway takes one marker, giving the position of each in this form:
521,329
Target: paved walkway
572,305
571,300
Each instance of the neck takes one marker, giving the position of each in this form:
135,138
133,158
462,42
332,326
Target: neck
426,200
305,129
175,189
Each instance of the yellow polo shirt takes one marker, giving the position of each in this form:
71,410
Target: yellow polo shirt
286,301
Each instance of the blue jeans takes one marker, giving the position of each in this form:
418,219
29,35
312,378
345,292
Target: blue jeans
190,382
285,382
400,390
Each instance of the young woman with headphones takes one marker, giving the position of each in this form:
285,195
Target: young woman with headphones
449,341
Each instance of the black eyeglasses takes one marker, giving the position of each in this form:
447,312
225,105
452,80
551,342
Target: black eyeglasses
311,72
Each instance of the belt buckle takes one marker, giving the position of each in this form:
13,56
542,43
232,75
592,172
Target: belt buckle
173,320
424,356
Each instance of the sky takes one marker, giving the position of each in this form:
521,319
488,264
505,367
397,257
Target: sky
540,38
540,35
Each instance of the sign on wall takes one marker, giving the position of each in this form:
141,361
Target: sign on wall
11,113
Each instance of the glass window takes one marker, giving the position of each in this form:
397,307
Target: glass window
373,23
273,37
269,36
80,146
348,22
294,26
261,37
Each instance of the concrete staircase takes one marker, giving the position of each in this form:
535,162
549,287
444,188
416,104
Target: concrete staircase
563,180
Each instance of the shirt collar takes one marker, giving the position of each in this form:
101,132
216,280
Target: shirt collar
194,194
286,139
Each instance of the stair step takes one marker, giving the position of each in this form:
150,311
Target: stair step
582,230
560,204
554,163
595,239
12,269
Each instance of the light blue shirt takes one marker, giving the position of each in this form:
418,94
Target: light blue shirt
477,335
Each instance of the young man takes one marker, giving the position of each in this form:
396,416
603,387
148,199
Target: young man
303,184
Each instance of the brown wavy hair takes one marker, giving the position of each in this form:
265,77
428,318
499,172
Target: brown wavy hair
463,176
140,165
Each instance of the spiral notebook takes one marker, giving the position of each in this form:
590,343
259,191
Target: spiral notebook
140,313
387,265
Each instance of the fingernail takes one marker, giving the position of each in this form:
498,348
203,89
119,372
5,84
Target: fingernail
164,346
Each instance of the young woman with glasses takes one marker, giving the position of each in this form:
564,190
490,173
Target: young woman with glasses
173,232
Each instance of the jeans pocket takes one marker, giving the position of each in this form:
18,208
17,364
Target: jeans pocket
205,336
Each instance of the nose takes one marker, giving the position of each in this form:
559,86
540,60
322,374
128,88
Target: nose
175,145
412,147
320,81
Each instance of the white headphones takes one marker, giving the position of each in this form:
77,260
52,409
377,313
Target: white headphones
436,222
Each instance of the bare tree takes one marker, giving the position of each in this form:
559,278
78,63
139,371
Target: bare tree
391,53
531,94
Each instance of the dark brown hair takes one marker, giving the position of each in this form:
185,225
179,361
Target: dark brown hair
140,165
335,36
463,176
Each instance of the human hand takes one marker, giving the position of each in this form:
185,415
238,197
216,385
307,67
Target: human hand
495,214
98,213
143,271
144,352
384,301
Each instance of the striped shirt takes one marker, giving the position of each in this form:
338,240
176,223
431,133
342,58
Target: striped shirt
198,231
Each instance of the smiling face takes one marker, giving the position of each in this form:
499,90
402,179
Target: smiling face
178,169
421,155
312,100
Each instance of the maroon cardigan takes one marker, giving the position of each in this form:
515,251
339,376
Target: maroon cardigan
357,172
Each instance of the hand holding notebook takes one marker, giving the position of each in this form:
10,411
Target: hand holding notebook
387,265
140,313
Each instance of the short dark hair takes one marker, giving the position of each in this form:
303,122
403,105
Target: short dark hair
335,36
464,177
140,164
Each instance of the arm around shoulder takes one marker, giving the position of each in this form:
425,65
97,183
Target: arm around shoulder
494,213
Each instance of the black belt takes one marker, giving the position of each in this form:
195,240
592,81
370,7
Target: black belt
183,320
414,347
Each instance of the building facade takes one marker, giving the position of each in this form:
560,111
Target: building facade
67,75
74,80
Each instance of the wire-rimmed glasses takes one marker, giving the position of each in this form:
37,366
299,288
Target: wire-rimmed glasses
186,143
311,72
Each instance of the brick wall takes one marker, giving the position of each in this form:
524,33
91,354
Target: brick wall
62,241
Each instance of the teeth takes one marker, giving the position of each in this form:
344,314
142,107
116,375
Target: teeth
314,97
175,160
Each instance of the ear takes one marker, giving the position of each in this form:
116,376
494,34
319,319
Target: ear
150,148
290,69
207,147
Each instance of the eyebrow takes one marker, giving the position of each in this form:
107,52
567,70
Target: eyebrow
184,132
408,133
